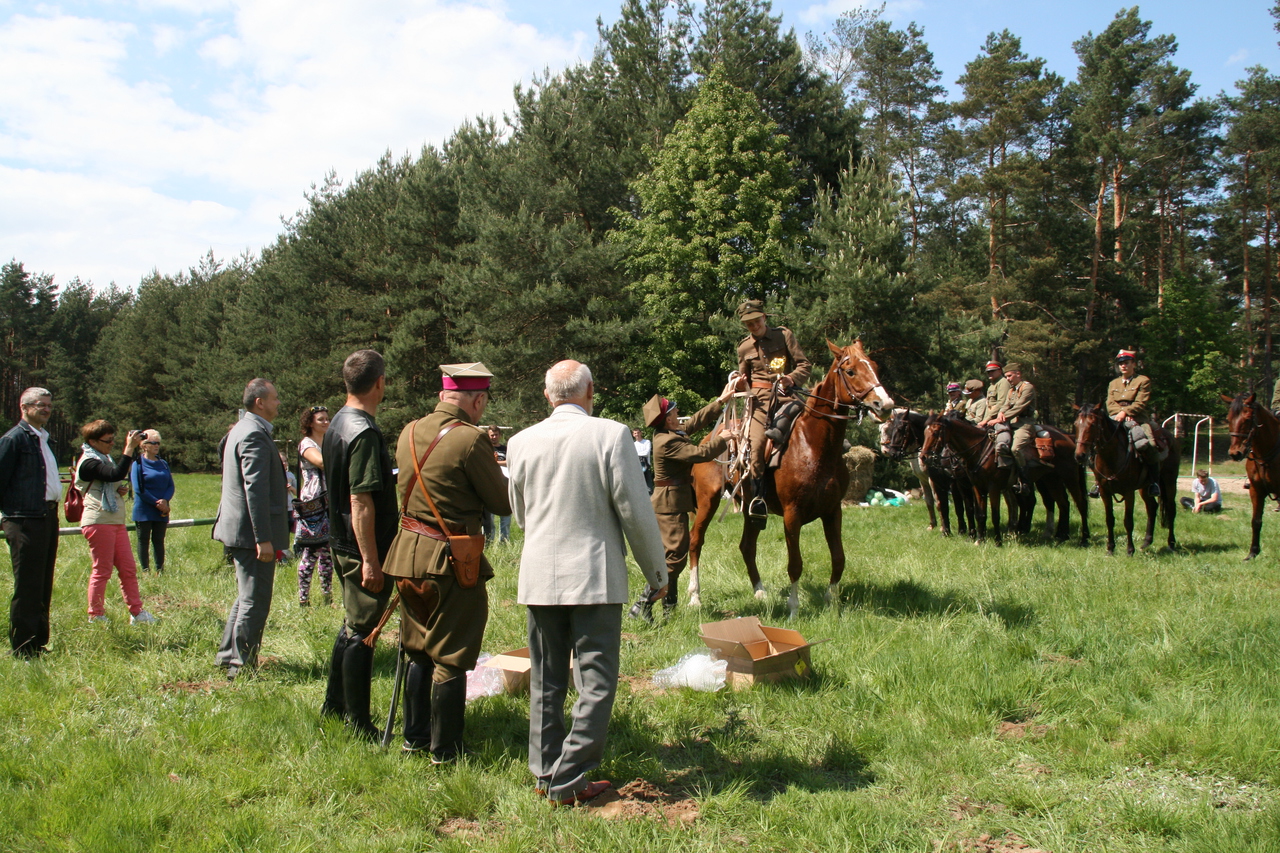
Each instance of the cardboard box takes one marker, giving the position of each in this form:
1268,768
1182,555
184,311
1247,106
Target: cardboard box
757,652
515,669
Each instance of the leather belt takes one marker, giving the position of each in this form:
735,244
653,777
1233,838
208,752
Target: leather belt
671,481
761,383
422,528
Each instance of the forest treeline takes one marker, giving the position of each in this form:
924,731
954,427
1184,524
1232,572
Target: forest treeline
705,154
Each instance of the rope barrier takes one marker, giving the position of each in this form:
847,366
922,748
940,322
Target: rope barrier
179,522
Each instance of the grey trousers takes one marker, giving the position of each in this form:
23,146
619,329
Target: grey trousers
560,759
248,616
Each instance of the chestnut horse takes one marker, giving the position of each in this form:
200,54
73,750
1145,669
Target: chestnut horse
940,480
1255,437
976,450
1119,472
811,479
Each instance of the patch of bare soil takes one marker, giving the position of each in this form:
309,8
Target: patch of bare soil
189,687
1007,843
458,827
641,799
1020,729
640,684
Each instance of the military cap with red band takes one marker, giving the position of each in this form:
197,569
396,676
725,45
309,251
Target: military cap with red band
466,377
994,365
655,411
1126,353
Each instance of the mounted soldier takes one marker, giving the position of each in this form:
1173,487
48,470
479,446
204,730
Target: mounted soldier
1128,403
1015,425
773,364
976,401
955,400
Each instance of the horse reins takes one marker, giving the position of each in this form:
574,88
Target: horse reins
1093,450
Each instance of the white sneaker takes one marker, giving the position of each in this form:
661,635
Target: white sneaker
101,617
143,618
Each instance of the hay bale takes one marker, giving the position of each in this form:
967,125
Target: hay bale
861,463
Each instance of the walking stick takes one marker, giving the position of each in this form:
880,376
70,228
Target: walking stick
401,670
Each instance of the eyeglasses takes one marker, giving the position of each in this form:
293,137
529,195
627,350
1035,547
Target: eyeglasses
316,409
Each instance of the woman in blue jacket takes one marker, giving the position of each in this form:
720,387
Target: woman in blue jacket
152,491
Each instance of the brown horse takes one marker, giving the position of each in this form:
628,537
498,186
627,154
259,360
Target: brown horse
1255,437
940,479
976,449
811,480
1119,473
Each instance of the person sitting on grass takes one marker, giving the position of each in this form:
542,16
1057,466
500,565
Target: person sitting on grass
1208,495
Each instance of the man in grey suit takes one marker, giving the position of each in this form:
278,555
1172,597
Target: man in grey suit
252,522
578,492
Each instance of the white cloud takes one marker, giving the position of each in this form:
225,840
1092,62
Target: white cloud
139,161
822,12
1238,57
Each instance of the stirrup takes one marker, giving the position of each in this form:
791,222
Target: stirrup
758,508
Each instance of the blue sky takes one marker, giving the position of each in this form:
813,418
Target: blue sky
141,134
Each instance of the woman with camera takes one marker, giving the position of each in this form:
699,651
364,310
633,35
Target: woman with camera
100,480
312,536
152,491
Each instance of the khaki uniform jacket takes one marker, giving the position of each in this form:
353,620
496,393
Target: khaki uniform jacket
977,411
463,478
755,354
674,456
1020,407
961,406
997,393
1134,398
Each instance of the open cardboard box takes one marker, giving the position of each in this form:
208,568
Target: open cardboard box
756,652
515,669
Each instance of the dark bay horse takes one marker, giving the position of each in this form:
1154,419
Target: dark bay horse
902,436
976,450
1255,437
1120,472
811,480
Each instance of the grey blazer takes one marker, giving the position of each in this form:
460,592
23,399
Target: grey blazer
255,496
580,497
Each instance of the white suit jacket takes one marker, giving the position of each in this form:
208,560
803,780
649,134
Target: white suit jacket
578,492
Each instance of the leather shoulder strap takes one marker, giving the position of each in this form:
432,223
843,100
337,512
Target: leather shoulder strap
417,473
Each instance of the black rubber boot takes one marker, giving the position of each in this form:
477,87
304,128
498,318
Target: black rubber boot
448,717
417,708
357,678
334,703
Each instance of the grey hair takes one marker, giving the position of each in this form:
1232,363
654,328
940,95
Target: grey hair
567,380
255,390
151,435
30,395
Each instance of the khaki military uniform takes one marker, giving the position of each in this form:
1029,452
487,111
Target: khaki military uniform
977,410
754,358
960,407
1019,414
1134,398
674,456
441,620
1275,396
997,393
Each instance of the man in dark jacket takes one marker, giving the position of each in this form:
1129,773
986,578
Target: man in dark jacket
29,492
363,520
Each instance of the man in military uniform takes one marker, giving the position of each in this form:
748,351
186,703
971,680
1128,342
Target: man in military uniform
997,391
1018,415
442,623
362,523
975,401
955,400
674,456
768,356
1128,403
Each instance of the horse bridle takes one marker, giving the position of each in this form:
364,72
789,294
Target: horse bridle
968,449
847,386
1250,452
1096,416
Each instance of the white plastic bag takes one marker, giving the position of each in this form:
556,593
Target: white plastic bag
483,680
696,670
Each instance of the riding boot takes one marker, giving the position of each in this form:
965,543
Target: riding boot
672,597
1153,479
357,678
334,703
758,510
448,717
1023,486
417,708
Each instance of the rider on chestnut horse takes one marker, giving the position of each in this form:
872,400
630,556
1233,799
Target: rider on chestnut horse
1128,401
1014,424
773,364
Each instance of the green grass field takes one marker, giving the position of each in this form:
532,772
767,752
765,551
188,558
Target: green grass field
1040,695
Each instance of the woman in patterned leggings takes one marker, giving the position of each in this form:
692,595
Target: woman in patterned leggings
312,537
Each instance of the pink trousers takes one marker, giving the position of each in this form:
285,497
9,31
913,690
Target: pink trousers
109,548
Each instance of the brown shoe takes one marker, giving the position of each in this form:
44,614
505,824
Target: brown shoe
593,790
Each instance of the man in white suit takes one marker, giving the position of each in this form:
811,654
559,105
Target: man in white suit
577,491
252,522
